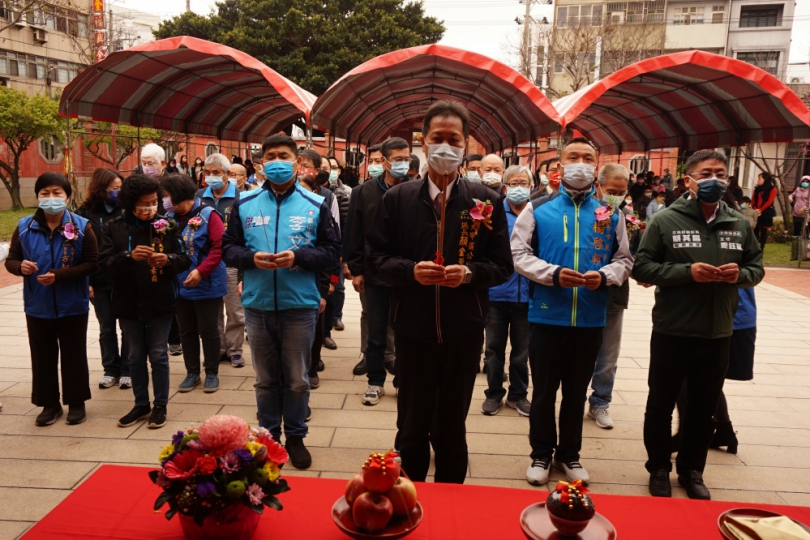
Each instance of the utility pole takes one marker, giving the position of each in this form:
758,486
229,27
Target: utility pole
527,40
188,5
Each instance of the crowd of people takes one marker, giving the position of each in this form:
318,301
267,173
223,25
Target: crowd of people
461,257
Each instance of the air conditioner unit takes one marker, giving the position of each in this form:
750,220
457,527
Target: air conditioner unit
40,35
21,22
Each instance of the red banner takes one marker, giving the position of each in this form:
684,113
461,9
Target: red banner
98,5
98,21
101,54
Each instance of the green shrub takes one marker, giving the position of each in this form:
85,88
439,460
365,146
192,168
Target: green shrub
778,234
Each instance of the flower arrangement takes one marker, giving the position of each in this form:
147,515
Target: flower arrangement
207,471
195,222
69,231
162,226
482,213
603,213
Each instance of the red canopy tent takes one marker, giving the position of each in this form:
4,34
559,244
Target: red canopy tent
687,100
188,85
393,91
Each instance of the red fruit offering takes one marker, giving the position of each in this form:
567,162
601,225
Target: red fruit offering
355,488
380,472
402,496
372,512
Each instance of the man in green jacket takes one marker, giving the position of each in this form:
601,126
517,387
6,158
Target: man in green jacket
697,252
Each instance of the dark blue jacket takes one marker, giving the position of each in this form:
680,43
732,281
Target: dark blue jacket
517,288
196,245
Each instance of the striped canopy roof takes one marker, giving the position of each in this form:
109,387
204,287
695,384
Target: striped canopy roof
393,92
687,100
188,85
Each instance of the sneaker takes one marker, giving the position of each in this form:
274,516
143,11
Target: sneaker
49,415
491,406
537,473
237,361
224,358
321,365
314,382
107,382
76,414
211,383
361,368
573,471
158,417
309,414
189,383
124,383
373,395
601,416
299,455
390,365
338,325
522,406
136,414
329,343
175,350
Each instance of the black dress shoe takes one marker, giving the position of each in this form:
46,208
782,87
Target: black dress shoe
695,488
339,326
361,368
321,365
659,484
724,435
49,415
329,343
76,414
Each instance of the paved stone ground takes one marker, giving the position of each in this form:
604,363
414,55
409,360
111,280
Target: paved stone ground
40,466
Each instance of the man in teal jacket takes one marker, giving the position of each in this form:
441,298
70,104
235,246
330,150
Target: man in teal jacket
282,236
573,248
697,252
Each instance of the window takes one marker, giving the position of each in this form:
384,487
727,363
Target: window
767,60
211,148
760,16
579,16
638,163
51,150
689,15
36,67
718,14
635,12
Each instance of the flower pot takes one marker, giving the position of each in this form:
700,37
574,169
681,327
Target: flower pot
237,522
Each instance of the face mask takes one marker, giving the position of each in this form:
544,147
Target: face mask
554,179
579,175
333,177
399,170
198,163
473,177
443,158
145,213
743,206
711,190
150,171
278,172
53,205
517,195
629,200
544,179
112,196
492,180
375,170
612,200
805,184
168,206
648,195
214,182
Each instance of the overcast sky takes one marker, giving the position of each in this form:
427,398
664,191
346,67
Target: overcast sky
483,26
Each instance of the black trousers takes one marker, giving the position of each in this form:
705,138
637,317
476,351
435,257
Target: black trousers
560,356
198,320
49,339
702,364
317,343
174,333
436,383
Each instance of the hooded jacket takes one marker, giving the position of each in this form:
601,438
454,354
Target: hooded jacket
680,236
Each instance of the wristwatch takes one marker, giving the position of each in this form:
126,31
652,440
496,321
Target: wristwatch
467,274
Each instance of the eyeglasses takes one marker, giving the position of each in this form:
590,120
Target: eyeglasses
703,176
398,160
518,184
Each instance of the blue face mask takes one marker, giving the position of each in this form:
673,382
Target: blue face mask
53,205
399,169
112,197
517,195
711,190
805,185
214,182
278,172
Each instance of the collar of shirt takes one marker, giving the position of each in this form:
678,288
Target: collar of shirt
714,214
433,189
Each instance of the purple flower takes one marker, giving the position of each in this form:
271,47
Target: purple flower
255,494
177,437
230,462
206,489
244,455
162,481
194,444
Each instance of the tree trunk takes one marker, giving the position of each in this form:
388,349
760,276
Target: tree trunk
14,191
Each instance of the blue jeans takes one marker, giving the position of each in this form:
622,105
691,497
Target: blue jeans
281,348
507,320
114,362
378,303
148,337
340,297
604,372
334,306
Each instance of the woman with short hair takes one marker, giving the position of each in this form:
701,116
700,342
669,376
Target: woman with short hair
55,251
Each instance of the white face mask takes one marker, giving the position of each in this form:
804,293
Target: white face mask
613,200
579,175
473,177
492,180
444,159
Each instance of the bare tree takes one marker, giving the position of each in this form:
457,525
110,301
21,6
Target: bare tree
781,167
572,54
625,44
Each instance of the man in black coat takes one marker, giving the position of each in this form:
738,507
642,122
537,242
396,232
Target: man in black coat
440,300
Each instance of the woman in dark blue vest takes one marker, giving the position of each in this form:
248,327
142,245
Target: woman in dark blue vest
55,251
203,285
100,206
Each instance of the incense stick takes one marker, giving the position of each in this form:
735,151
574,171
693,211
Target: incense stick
264,228
441,224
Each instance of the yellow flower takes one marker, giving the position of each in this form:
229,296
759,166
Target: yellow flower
253,447
166,452
272,471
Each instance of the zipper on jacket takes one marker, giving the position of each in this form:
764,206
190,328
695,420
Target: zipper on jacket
275,250
438,310
565,228
576,262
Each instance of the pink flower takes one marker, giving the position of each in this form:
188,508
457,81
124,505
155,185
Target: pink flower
162,481
223,433
632,219
160,225
197,445
482,211
603,212
255,494
195,221
69,231
182,466
229,463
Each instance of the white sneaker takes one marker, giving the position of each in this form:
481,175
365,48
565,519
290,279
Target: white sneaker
573,471
125,382
601,416
373,395
107,381
537,473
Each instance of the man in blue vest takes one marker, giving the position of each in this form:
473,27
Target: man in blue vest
573,248
282,237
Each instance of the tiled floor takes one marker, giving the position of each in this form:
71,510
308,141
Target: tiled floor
39,466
